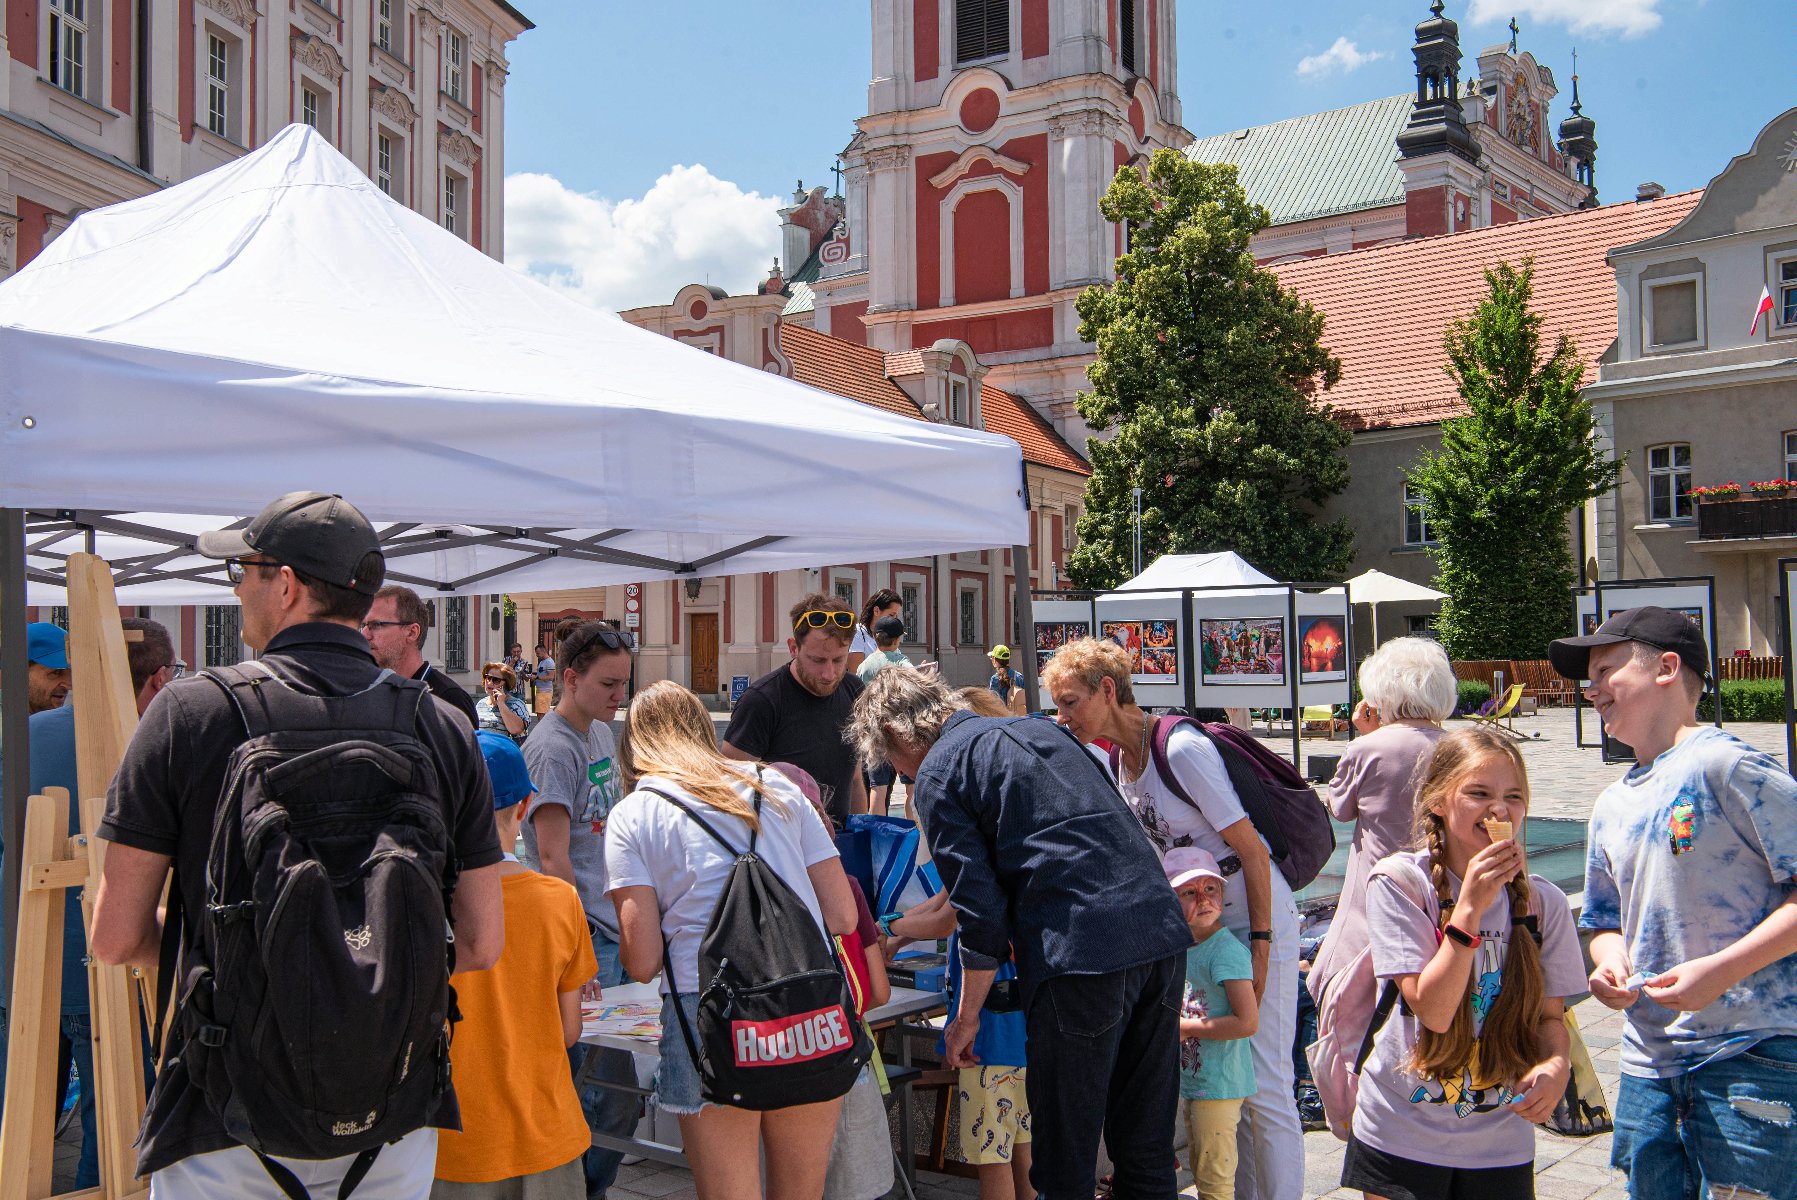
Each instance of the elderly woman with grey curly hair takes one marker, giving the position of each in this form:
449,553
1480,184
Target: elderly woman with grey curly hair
1407,690
1040,855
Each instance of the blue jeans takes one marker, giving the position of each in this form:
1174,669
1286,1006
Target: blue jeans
607,1110
1728,1125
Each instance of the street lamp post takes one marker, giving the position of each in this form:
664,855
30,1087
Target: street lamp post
1135,495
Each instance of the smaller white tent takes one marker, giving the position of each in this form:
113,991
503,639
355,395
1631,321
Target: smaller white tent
1225,568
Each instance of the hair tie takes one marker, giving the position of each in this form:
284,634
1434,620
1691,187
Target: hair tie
1531,924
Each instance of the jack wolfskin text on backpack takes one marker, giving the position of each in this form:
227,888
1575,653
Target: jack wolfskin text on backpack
317,1021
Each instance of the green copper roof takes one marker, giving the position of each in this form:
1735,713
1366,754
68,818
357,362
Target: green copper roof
801,301
1340,161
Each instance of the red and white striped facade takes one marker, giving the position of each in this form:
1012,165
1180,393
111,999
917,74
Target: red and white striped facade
106,100
973,185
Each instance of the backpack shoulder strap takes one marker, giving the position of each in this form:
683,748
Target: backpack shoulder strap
1404,874
700,821
1157,752
265,702
1242,778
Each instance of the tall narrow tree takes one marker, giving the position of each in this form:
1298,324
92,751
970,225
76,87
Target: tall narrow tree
1210,374
1498,494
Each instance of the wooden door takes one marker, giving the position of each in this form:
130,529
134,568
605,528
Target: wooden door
702,636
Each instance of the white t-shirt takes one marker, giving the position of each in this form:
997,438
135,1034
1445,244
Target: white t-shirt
863,642
650,843
1170,821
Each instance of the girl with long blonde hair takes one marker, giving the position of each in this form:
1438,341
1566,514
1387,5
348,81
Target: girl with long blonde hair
666,876
1483,955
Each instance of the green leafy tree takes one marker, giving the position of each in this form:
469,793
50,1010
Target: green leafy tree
1509,473
1209,373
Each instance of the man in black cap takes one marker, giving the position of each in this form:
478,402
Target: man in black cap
1692,905
305,570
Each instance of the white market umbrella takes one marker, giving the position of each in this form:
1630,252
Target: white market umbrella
1376,588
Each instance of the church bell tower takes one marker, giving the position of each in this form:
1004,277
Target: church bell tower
972,185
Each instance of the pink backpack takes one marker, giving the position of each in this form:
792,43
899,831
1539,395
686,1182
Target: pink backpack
1352,1010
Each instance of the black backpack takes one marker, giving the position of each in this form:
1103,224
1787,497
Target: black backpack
776,1019
318,1015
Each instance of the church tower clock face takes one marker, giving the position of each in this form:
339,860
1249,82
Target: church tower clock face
1789,157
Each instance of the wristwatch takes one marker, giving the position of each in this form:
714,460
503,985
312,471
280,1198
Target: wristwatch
1456,934
1260,935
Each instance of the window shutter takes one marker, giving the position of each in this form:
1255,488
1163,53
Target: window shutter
982,29
1126,13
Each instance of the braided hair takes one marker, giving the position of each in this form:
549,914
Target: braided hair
1509,1042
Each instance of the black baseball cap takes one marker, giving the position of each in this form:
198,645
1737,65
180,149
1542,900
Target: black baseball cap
321,536
889,627
1650,625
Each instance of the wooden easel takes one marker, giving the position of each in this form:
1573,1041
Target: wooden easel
105,718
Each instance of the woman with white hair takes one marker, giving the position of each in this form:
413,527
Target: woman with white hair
1407,690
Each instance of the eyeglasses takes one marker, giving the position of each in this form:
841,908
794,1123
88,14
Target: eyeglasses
367,625
818,618
177,669
499,679
605,635
234,567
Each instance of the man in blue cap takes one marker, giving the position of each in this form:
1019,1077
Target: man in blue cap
47,652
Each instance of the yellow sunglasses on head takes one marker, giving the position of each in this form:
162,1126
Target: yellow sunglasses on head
818,618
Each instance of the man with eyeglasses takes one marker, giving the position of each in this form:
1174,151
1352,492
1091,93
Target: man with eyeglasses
153,666
797,713
305,570
395,627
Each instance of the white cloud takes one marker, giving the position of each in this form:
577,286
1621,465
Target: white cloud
1630,18
690,227
1340,58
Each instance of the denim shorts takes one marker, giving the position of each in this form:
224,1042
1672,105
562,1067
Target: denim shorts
677,1087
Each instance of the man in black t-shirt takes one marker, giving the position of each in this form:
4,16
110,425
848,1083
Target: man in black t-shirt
305,571
797,714
395,627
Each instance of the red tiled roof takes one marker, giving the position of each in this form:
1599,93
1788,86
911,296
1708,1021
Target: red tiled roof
844,368
1016,419
1388,308
861,373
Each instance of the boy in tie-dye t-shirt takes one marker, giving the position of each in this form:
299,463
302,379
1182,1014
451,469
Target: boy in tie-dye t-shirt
1690,896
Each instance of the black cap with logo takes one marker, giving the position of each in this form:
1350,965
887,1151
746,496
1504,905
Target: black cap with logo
1660,628
321,536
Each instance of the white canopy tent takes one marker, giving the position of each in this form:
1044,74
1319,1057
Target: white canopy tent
1376,588
173,363
279,324
1225,568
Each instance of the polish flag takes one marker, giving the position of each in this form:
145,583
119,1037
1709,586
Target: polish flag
1764,308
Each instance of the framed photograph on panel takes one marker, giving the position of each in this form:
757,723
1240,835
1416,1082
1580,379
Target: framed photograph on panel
1322,650
1241,651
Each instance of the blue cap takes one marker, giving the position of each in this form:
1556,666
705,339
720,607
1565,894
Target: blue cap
505,766
47,645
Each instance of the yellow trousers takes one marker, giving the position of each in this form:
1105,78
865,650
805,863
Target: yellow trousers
1210,1141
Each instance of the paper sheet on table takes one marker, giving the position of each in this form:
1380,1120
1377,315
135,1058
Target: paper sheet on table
641,1022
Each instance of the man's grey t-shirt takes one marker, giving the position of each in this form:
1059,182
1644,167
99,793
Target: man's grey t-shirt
577,772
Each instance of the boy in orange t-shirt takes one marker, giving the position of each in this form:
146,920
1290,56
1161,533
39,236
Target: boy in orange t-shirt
523,1132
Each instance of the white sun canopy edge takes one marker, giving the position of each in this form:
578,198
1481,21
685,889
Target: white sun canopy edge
173,363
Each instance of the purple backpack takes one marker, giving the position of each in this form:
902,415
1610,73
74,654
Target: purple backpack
1285,809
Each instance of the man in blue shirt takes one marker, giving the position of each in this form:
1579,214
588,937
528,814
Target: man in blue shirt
53,764
1038,851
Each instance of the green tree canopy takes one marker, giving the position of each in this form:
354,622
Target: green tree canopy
1509,473
1210,373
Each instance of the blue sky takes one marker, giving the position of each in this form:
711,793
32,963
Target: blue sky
644,152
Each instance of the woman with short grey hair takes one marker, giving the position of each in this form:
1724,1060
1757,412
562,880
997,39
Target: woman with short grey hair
902,710
1407,690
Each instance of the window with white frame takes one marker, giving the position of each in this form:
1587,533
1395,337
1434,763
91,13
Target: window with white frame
957,402
455,51
453,195
1416,519
1674,314
1790,455
224,628
1669,482
844,590
1423,627
1787,294
69,45
218,85
967,625
982,29
383,24
384,158
309,106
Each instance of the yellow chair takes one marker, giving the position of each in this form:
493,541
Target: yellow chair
1505,712
1313,715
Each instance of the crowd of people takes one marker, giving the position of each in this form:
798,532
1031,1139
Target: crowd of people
1124,953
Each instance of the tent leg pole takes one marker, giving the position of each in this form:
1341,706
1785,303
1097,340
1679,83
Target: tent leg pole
1026,626
15,732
